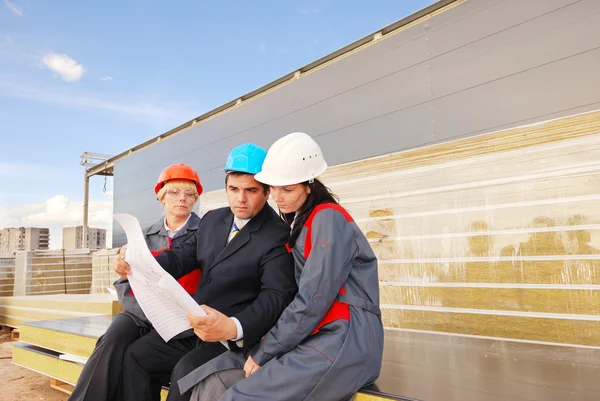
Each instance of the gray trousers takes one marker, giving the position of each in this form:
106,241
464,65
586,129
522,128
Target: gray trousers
213,387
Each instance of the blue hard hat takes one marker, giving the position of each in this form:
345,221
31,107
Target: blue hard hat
246,158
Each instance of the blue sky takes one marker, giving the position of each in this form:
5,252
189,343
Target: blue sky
104,76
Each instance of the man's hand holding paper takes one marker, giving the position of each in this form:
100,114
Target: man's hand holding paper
213,327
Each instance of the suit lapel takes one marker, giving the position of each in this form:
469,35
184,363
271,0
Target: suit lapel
220,236
242,238
236,243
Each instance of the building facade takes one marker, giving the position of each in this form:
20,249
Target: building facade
24,239
464,144
73,238
476,67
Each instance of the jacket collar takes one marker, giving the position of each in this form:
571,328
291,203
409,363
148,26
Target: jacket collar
159,226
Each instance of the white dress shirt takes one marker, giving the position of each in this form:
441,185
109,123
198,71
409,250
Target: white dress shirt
240,223
170,233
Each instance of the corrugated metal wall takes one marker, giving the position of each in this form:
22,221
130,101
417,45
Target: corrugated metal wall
477,67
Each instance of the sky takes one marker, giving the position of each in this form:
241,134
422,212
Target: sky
104,76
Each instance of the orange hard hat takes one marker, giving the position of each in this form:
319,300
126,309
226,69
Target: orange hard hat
178,171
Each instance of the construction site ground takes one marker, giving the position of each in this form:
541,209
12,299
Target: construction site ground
19,384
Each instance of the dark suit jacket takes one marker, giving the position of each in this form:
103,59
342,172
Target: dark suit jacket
251,279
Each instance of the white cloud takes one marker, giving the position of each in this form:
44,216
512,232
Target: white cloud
68,69
107,78
56,213
19,84
12,7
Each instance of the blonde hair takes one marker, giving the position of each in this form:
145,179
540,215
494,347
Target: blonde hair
184,185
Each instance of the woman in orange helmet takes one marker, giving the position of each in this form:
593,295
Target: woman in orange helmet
177,188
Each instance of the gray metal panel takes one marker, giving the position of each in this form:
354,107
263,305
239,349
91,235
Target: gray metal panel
538,67
478,67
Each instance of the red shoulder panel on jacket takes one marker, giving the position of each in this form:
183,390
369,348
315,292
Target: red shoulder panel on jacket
309,222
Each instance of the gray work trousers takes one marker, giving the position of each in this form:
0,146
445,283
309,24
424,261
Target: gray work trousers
213,387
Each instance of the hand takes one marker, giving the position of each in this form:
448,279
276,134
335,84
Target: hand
250,366
121,267
213,327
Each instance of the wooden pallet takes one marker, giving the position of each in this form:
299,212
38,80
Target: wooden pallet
61,386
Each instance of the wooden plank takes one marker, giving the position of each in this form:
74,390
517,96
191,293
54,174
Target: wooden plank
61,386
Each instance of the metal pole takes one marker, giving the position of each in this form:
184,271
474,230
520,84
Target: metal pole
86,196
64,270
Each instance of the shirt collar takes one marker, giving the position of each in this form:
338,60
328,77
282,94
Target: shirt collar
171,233
293,221
240,223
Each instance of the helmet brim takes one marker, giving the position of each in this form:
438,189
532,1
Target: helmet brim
273,180
278,181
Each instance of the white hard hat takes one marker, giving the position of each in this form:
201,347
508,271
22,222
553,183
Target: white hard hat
293,159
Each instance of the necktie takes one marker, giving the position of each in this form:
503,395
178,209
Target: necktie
233,233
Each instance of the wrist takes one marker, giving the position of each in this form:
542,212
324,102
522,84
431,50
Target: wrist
232,332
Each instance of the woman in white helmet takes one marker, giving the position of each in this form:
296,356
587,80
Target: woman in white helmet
328,343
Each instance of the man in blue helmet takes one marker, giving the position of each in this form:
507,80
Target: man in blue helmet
247,281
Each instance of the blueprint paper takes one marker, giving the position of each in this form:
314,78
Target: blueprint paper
160,296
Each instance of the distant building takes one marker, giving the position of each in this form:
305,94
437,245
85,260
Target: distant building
73,238
24,239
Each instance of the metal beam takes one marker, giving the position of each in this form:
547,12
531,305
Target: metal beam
86,197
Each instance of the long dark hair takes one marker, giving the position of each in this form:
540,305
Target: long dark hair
319,194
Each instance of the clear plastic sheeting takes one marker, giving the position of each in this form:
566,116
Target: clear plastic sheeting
53,272
7,274
495,236
497,243
103,273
